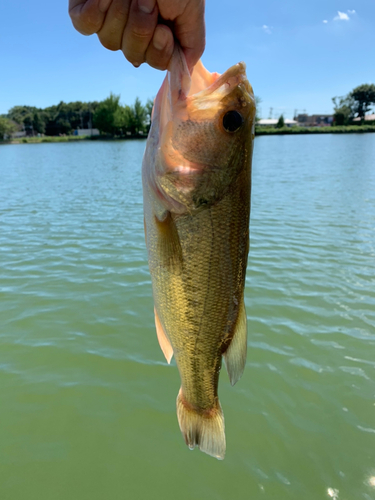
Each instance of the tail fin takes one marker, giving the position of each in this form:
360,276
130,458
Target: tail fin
204,430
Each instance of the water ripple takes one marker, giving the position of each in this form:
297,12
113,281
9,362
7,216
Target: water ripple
79,358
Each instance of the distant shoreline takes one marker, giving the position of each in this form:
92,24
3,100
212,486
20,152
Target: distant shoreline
70,138
342,129
345,129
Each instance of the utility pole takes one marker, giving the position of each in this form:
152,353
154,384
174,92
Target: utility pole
271,110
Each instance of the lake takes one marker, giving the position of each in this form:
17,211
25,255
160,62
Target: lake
87,400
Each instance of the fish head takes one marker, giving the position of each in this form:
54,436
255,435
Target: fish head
205,126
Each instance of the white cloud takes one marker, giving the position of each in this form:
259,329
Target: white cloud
267,29
325,21
351,11
341,16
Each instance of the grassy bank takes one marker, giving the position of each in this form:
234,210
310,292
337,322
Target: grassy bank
68,138
349,129
37,140
344,129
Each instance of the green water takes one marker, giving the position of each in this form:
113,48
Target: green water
87,401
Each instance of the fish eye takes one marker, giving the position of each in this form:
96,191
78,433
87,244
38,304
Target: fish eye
232,121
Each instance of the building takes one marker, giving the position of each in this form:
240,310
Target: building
305,120
271,122
367,118
19,134
86,131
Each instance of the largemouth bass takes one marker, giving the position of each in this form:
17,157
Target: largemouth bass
196,177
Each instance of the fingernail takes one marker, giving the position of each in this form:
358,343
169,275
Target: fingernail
146,6
160,39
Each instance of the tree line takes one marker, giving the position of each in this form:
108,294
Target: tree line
354,105
109,116
113,118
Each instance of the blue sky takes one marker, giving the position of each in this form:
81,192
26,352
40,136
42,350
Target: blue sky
295,60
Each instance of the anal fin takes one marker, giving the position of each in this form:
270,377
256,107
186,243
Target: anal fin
235,355
164,343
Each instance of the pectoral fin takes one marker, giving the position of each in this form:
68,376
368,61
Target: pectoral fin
235,355
168,243
164,343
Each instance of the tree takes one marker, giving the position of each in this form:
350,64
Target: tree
357,102
364,96
24,116
148,108
66,117
133,119
105,113
39,122
344,109
122,119
109,116
280,123
112,118
7,127
139,116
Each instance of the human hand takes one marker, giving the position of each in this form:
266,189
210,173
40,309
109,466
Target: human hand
137,27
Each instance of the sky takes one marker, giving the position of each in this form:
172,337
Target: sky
298,54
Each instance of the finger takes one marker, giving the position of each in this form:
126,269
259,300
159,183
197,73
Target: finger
189,26
88,15
190,30
111,33
139,30
160,49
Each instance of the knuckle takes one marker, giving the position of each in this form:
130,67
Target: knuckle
120,11
140,33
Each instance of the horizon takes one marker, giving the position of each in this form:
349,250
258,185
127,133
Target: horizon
298,56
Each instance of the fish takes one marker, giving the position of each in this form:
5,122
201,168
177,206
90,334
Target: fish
196,176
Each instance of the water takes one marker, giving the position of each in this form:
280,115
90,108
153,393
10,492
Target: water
87,401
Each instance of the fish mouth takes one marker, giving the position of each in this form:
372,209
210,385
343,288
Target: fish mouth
203,91
225,83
